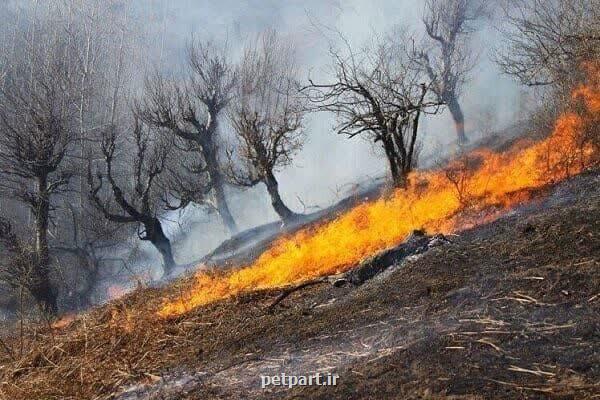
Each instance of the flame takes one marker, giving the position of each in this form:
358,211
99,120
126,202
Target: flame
482,180
121,320
590,93
64,321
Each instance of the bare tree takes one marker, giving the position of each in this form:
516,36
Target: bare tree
137,186
447,55
85,240
38,135
460,173
547,41
379,94
191,111
16,267
266,116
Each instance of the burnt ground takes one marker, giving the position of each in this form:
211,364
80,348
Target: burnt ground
508,310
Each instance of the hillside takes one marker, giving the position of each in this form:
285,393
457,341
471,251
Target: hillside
509,309
299,200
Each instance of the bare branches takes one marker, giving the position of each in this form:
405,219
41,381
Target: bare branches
266,116
190,111
446,54
213,76
268,111
459,173
378,93
446,20
142,200
37,117
39,113
149,162
546,41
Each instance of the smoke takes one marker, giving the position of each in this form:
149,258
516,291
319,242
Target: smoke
328,162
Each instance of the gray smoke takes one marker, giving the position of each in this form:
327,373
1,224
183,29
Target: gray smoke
329,164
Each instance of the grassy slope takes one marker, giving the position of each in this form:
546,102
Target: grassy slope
506,311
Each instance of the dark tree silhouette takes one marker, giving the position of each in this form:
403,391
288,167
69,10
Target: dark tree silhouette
379,94
191,111
38,136
548,41
447,55
141,186
266,115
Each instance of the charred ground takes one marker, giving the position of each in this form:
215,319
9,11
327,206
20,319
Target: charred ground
509,310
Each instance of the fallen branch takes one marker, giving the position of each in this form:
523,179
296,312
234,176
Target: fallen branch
537,371
283,295
522,298
495,347
416,243
520,387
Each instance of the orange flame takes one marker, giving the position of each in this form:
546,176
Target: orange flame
431,201
64,321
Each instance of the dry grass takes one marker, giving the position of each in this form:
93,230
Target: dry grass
510,310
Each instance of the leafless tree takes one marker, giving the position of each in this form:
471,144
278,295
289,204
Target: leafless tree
547,41
460,173
16,267
447,54
377,93
191,111
85,239
138,188
266,116
38,136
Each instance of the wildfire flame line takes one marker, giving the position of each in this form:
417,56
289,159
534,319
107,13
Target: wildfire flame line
431,201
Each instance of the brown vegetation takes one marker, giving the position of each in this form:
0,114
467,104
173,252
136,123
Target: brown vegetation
507,310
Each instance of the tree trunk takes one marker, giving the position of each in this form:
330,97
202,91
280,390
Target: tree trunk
157,237
398,178
217,182
82,299
92,273
458,118
40,286
221,203
280,208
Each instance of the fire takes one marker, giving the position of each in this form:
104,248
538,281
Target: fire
64,321
482,180
121,320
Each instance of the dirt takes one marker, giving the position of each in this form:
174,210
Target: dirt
507,310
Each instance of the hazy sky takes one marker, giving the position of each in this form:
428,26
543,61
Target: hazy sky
327,159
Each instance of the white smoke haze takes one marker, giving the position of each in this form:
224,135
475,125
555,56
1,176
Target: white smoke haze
328,163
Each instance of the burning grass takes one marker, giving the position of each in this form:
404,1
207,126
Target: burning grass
533,277
523,301
431,202
527,285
